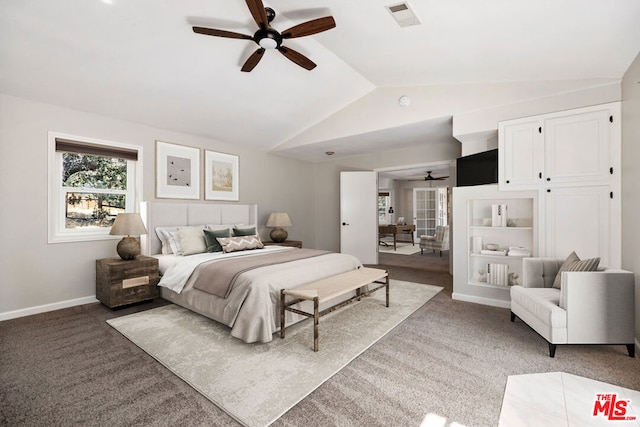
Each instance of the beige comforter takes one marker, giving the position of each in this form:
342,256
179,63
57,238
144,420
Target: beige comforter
252,307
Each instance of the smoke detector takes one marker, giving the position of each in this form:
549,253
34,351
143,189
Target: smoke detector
403,14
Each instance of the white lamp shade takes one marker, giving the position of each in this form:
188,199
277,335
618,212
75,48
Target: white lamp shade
279,219
128,224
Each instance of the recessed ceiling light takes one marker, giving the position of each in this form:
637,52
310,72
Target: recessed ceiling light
329,153
107,1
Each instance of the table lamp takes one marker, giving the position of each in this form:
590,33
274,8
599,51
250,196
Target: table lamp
127,224
279,220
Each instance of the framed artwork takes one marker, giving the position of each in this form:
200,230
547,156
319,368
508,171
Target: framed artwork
177,171
221,176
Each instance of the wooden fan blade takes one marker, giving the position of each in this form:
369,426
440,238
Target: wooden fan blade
220,33
310,27
253,60
259,14
297,57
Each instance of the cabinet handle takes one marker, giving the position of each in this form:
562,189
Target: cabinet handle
548,179
508,181
548,190
344,223
611,171
540,175
540,129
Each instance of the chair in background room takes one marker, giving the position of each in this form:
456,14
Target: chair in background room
437,242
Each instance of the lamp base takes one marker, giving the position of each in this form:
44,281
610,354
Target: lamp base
128,248
278,235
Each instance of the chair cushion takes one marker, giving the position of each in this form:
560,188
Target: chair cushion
543,303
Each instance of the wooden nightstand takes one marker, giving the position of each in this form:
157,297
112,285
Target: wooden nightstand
292,243
121,282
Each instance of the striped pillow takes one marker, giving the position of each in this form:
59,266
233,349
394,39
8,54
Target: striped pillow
573,263
240,243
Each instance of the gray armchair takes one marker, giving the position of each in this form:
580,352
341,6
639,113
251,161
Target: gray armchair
437,242
591,307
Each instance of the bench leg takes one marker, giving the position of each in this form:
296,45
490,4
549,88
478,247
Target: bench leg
281,313
315,323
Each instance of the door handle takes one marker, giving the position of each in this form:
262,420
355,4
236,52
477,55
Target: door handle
344,223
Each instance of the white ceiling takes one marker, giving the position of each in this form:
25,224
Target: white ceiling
139,60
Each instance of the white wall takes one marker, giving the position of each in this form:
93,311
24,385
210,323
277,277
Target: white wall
631,177
35,273
380,110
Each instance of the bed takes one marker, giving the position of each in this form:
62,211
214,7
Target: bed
250,306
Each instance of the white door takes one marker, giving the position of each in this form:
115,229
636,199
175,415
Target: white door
359,215
424,211
520,154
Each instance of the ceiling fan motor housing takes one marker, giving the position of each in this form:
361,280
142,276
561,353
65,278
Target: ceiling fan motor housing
268,38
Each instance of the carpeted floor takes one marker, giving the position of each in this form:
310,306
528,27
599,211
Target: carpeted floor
448,361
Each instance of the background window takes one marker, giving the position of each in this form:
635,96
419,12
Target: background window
90,183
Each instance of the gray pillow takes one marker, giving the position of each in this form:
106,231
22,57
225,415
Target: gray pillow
211,236
574,263
240,231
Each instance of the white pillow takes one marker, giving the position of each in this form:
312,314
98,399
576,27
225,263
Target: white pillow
215,227
192,240
174,241
164,234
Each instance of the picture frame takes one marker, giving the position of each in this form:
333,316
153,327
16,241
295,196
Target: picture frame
177,171
221,176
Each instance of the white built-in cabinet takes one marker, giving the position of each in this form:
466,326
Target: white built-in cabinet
572,159
562,169
569,147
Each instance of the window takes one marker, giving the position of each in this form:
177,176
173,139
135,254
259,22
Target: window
90,182
384,200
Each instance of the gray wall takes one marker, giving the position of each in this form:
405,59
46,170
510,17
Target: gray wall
631,177
36,273
327,181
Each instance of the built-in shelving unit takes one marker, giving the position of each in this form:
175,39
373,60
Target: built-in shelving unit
486,278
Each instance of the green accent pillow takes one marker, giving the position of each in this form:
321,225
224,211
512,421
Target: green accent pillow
211,236
237,231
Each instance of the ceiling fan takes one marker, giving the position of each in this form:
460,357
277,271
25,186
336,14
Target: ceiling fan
267,37
430,177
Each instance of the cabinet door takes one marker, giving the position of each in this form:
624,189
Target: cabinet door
520,154
579,219
578,147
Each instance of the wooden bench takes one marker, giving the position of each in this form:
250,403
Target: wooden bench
331,287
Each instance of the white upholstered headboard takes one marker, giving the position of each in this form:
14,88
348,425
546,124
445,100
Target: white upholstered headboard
168,214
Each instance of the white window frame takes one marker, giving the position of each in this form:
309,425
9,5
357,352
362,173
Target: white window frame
56,206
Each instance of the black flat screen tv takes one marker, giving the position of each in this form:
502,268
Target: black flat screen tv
477,169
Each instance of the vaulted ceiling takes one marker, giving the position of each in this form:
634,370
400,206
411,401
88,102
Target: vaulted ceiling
139,60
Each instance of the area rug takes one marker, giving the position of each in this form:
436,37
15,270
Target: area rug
258,383
401,248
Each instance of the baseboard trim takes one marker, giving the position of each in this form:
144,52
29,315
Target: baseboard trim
7,315
481,300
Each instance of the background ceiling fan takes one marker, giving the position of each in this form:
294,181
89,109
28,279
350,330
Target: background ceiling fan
430,177
267,37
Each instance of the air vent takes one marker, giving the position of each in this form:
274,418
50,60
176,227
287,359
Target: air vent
403,14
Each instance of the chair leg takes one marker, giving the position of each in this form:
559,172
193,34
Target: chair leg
552,350
440,253
421,251
513,317
631,348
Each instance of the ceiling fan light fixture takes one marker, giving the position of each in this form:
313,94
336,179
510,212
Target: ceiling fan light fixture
268,43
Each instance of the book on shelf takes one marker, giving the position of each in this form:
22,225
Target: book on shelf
498,274
499,215
519,251
490,252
